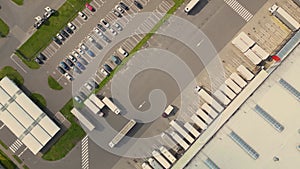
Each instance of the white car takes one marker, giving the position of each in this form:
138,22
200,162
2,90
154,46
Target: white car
90,38
97,30
104,72
72,58
82,15
105,23
77,99
118,26
83,46
123,51
112,31
71,26
79,50
197,89
69,77
76,54
118,8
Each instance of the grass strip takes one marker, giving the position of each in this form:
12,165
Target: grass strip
18,2
6,162
4,29
53,84
12,74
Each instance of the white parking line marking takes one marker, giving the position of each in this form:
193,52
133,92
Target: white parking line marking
200,42
2,126
22,151
11,57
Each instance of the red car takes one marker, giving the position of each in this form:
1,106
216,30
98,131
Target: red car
90,7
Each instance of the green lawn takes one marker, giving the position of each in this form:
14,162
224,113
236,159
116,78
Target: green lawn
18,2
53,84
38,99
6,162
72,136
43,36
4,29
12,74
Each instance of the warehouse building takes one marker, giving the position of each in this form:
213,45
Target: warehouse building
24,118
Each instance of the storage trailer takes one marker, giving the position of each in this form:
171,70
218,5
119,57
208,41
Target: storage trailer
243,42
209,110
238,80
122,133
247,74
158,157
179,140
260,52
167,154
154,164
252,57
284,17
146,166
204,95
111,105
96,101
89,104
181,131
192,129
169,141
204,116
222,97
82,119
198,122
232,85
227,91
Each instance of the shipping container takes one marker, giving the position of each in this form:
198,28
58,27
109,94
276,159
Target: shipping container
246,74
238,80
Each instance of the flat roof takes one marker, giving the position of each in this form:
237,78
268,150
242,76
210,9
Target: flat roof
267,123
23,118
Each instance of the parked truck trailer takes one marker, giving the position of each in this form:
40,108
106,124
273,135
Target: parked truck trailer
222,97
209,110
252,57
247,74
96,101
179,140
260,52
167,154
208,99
111,105
204,116
181,131
164,162
89,104
243,42
232,85
154,164
82,119
198,122
227,91
192,129
238,80
122,133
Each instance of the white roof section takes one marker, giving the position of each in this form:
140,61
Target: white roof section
278,106
23,118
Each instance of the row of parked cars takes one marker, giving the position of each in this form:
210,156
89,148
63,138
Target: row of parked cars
64,33
40,20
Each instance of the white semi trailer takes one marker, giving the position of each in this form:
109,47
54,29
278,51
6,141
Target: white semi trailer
208,99
227,91
243,42
111,105
169,141
122,133
82,119
146,166
164,162
154,164
198,122
181,131
167,154
284,17
238,80
222,97
232,85
179,140
252,57
89,104
96,101
245,72
192,130
204,116
260,52
209,110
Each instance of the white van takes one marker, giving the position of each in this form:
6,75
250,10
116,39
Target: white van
123,51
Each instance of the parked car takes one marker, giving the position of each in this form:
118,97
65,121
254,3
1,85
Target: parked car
60,37
97,45
76,54
115,59
90,38
64,33
90,53
124,6
82,95
104,72
39,61
78,64
80,51
64,65
88,86
90,7
77,99
61,70
138,4
94,84
97,30
112,31
69,30
116,13
72,58
57,41
83,61
101,27
106,24
118,26
83,46
102,36
77,70
82,15
69,63
41,56
69,77
107,68
123,51
119,9
71,26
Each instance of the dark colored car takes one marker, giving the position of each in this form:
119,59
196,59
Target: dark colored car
61,70
83,61
39,61
64,65
69,30
64,33
124,6
107,68
90,53
82,95
90,7
77,70
101,27
69,63
94,84
116,59
41,56
138,4
97,45
57,41
80,65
